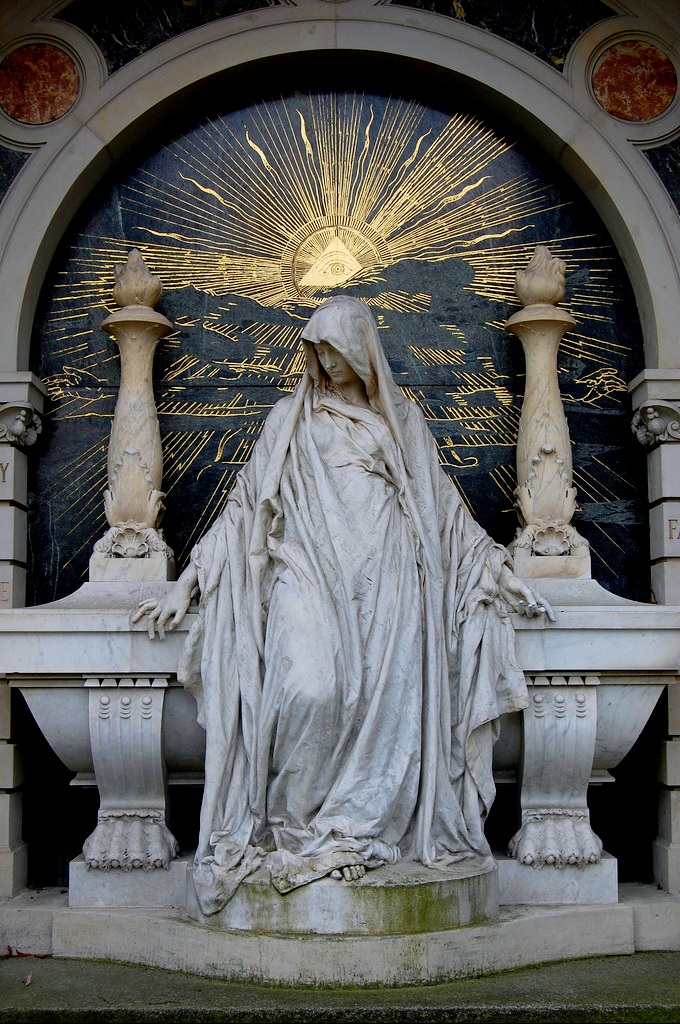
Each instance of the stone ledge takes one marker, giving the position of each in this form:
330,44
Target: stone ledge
656,916
42,923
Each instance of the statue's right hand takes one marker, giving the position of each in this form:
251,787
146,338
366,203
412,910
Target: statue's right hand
172,607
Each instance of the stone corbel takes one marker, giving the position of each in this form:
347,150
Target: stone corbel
126,723
560,727
20,424
657,421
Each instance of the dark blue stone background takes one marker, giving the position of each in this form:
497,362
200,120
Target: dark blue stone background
11,162
666,162
548,30
132,27
80,365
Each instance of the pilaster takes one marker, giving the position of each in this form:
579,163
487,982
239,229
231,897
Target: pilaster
667,844
21,403
656,424
655,396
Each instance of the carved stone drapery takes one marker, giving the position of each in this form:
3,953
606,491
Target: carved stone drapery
544,498
20,424
133,500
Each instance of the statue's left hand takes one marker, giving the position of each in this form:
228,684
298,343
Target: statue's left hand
521,597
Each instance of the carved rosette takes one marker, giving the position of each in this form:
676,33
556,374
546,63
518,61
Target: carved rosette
20,424
133,501
657,421
544,498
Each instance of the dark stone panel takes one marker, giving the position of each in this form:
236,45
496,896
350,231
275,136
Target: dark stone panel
11,163
132,27
199,208
546,30
666,162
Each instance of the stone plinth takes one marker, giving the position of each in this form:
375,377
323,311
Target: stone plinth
551,886
399,899
164,887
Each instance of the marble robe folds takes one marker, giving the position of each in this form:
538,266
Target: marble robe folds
351,655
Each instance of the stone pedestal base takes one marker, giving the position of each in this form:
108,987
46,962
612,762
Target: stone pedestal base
163,887
12,870
399,899
553,886
133,570
534,567
666,858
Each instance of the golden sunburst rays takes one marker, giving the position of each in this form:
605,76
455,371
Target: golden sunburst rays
305,198
274,355
592,300
258,216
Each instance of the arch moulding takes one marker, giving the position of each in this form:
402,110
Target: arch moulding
552,108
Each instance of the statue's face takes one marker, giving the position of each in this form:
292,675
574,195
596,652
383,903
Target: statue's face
335,365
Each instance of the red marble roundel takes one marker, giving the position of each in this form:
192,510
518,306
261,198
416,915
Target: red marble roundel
634,80
39,82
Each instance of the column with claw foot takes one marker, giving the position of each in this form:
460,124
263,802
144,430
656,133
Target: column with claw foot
126,714
560,724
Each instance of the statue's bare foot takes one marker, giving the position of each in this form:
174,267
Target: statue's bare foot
350,873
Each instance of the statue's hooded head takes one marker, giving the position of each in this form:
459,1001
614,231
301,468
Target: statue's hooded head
348,325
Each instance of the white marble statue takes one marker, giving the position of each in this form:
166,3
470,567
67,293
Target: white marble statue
353,649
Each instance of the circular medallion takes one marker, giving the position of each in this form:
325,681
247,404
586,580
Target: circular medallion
39,82
634,81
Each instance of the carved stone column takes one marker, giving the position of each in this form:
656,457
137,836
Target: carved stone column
560,723
133,546
546,544
126,715
126,726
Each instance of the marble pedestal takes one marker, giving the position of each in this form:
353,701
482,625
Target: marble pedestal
399,899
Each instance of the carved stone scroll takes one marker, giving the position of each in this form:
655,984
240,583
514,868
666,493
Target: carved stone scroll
657,421
126,719
133,500
560,727
544,498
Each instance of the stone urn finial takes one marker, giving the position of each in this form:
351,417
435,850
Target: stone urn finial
135,284
543,280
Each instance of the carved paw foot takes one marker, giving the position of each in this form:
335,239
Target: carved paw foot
557,839
130,841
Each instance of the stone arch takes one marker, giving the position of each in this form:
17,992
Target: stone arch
551,108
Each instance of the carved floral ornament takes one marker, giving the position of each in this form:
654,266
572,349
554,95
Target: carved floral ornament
657,421
20,424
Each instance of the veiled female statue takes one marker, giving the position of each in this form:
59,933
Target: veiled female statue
353,648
